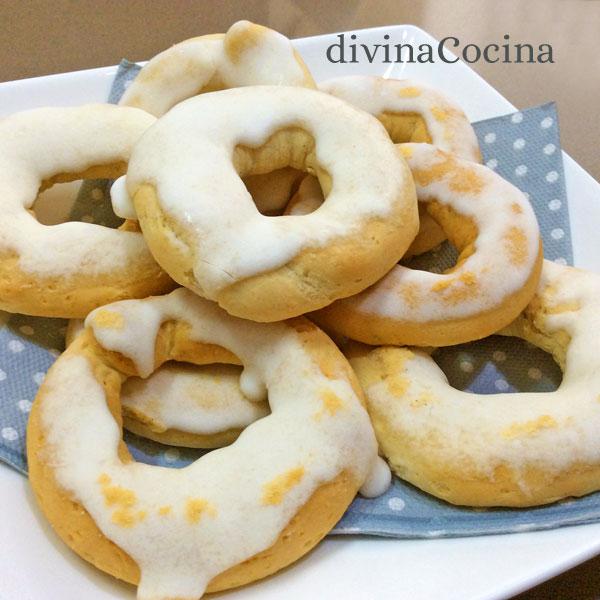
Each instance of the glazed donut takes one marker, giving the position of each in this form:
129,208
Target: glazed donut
187,405
493,227
238,513
309,197
248,54
410,112
498,449
68,269
187,166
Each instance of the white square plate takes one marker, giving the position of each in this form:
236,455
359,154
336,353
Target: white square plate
34,564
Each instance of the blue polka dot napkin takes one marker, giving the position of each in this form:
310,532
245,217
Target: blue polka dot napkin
525,149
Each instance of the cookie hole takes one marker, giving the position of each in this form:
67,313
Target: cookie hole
85,201
437,260
499,364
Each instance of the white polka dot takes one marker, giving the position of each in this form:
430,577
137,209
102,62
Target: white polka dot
396,503
97,194
499,356
560,261
38,377
517,118
519,144
492,163
534,373
436,533
15,346
10,434
557,234
551,176
2,375
87,219
546,122
501,384
489,138
466,366
24,405
27,329
171,455
127,84
554,204
521,170
549,149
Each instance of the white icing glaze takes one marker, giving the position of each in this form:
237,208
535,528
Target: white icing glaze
201,400
447,124
378,480
551,431
190,149
487,276
301,441
120,200
265,58
39,144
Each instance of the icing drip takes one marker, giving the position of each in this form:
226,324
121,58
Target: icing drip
378,480
253,385
121,202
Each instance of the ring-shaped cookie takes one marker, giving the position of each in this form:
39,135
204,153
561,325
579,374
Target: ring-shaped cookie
201,225
248,54
513,449
410,111
68,269
493,227
238,513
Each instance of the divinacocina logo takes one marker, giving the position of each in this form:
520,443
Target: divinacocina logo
348,49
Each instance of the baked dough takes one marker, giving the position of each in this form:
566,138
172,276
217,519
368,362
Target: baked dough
238,513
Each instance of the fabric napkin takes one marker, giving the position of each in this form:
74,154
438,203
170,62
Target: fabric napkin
524,148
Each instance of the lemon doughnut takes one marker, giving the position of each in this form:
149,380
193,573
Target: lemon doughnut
68,269
248,54
493,227
309,197
236,514
203,228
410,111
516,449
188,405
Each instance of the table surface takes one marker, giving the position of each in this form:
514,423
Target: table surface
59,36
